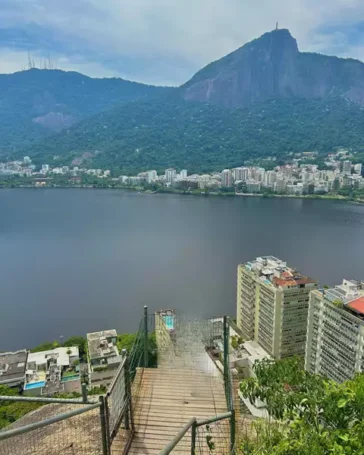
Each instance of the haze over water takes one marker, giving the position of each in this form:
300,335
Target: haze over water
75,261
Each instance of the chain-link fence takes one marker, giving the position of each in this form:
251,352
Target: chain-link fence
67,428
72,427
117,400
204,437
213,438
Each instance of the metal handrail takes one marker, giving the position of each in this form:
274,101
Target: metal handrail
193,422
46,400
172,444
227,415
116,376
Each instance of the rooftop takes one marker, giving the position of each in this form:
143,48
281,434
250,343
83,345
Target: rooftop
252,351
357,305
59,355
350,294
102,344
275,272
12,366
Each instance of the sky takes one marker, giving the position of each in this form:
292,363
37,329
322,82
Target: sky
164,42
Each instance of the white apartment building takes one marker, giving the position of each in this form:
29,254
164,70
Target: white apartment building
170,175
260,174
183,174
226,178
152,176
335,331
270,178
241,174
358,168
272,305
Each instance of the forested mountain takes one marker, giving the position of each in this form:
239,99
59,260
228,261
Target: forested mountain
35,103
271,67
172,132
264,99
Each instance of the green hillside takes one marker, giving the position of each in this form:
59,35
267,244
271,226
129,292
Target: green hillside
171,132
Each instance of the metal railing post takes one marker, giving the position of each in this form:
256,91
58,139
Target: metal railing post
226,357
127,388
232,432
145,336
172,444
193,438
104,426
84,392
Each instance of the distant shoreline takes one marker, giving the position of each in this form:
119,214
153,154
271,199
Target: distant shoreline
194,193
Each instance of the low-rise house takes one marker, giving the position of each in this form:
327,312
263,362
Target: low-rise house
53,371
12,368
103,356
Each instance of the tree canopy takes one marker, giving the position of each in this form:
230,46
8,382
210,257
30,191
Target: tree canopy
312,415
168,131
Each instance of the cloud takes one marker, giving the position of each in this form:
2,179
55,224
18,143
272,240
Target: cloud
166,41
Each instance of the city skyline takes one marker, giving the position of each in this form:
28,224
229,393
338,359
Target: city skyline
296,178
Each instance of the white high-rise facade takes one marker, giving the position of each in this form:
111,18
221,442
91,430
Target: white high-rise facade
260,174
272,306
183,174
241,174
226,178
270,178
151,176
170,175
335,331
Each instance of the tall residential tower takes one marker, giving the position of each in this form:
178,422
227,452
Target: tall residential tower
335,334
272,305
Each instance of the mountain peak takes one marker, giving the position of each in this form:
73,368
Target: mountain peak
271,67
275,44
282,36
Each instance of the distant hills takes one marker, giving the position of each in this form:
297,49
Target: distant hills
264,99
35,103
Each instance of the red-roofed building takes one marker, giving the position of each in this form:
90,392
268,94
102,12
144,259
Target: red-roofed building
357,305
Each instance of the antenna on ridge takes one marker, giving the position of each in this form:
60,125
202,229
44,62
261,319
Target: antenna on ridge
29,61
276,25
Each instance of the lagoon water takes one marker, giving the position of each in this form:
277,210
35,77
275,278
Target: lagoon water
74,261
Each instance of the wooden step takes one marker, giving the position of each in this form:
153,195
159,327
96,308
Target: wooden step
170,395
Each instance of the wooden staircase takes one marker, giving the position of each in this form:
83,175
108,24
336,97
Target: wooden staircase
167,400
182,387
186,384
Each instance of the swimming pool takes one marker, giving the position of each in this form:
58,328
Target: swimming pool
34,385
70,378
169,321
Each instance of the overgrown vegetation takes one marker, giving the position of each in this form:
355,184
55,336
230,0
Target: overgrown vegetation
72,341
310,415
134,344
10,411
169,132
